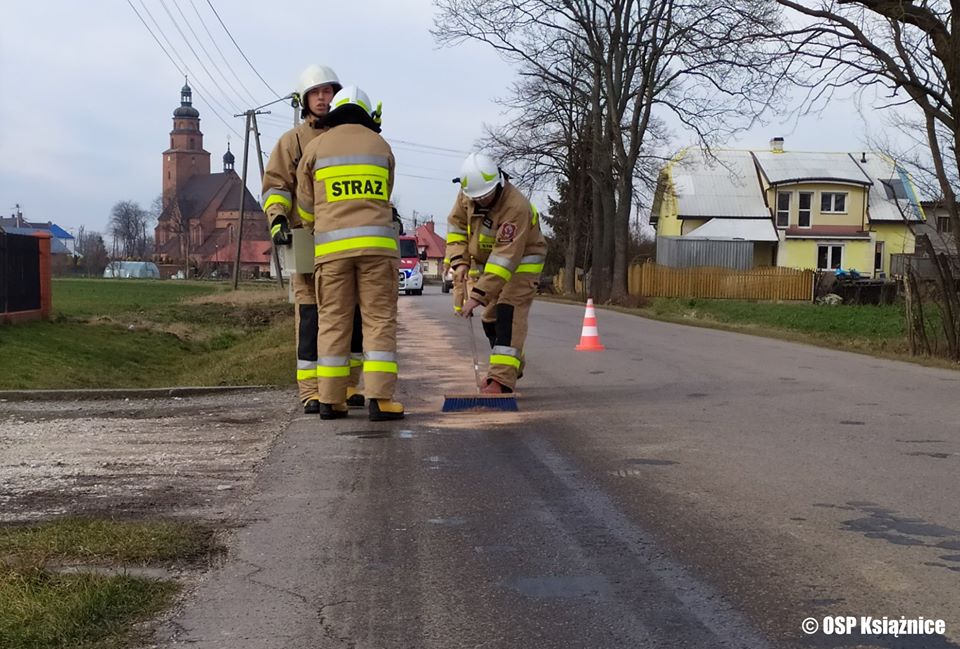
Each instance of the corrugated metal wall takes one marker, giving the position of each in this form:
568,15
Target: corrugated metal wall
688,252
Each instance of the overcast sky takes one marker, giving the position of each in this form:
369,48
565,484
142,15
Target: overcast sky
88,95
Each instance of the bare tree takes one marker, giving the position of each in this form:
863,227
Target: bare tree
91,252
128,229
178,226
910,52
707,66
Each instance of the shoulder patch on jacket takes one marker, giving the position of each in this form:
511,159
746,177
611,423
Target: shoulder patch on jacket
506,233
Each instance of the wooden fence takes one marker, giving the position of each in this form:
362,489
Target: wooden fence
763,283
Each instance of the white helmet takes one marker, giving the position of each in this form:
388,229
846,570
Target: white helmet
315,76
479,175
351,95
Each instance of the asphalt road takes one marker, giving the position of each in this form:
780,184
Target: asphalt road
684,488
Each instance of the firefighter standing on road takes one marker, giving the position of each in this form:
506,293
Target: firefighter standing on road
493,224
316,88
345,179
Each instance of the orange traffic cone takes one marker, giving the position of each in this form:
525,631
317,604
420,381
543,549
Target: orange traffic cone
589,336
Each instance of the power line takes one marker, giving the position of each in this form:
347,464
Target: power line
222,55
422,177
422,168
405,147
430,146
207,54
277,94
176,25
182,67
154,36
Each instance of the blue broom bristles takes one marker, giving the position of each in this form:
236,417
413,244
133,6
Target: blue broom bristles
460,403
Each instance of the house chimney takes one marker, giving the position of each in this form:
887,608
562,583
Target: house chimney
776,145
863,156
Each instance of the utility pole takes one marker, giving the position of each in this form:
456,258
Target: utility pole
243,196
251,125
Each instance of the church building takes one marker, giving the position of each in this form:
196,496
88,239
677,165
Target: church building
201,210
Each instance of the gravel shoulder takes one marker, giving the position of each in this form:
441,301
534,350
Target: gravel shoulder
174,456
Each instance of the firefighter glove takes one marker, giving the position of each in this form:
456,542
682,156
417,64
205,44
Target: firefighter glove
280,231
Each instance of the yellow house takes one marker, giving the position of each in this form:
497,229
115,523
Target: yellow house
793,209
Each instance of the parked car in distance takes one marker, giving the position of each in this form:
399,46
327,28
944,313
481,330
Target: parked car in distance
411,274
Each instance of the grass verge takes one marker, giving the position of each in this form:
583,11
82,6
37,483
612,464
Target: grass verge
141,334
41,608
104,541
44,610
866,329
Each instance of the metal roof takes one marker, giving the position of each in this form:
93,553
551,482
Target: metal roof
57,247
744,229
726,186
882,169
800,166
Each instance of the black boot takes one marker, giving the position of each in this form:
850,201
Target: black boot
311,407
356,399
333,410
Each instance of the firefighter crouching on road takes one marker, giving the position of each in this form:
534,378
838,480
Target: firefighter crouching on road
316,88
493,224
345,179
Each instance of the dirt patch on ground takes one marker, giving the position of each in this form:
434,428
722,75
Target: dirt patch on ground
171,457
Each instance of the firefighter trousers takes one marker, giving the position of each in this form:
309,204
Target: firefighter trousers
305,326
367,284
505,325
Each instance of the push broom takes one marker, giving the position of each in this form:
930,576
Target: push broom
478,401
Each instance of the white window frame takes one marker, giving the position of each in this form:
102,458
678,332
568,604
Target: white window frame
943,225
809,210
829,247
880,247
833,202
780,212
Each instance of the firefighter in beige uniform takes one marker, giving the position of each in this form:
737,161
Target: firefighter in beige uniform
493,224
345,179
317,86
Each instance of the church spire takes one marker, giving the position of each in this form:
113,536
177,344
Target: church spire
228,158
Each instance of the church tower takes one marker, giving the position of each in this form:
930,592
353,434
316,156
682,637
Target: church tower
185,158
228,159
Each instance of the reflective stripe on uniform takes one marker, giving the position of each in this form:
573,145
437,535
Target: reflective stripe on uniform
455,237
344,160
356,360
306,370
499,266
333,366
531,264
275,229
348,178
380,362
536,214
503,355
487,238
305,215
274,196
369,236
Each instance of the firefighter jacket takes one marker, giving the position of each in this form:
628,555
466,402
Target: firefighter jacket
344,183
280,176
504,239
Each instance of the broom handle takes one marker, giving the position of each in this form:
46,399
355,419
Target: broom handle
476,362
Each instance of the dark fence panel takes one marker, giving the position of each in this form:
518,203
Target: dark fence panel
19,273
